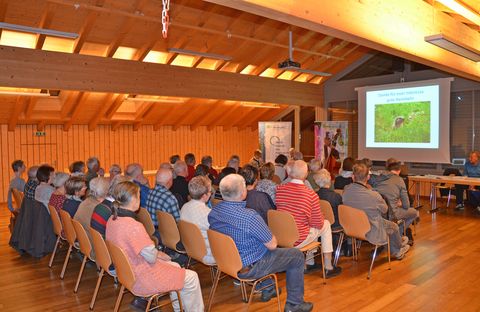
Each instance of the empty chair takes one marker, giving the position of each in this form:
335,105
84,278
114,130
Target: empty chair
85,249
283,226
103,260
18,197
70,235
126,277
229,262
57,229
355,224
167,227
144,217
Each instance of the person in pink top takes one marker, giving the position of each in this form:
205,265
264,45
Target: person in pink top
154,272
304,205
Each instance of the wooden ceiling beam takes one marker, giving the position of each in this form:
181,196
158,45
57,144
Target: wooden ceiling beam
67,103
109,100
77,107
87,27
55,70
210,108
115,125
244,114
30,106
17,110
3,12
164,117
45,22
265,116
144,110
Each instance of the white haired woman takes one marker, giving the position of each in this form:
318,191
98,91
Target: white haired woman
324,181
58,197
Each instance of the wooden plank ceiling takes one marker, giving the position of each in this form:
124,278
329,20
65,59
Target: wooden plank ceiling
472,5
131,30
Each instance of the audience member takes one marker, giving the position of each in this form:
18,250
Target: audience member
297,155
225,172
208,161
18,183
266,185
135,173
45,176
32,183
202,170
75,189
161,199
190,161
154,273
196,210
315,165
393,188
256,244
291,153
77,168
471,169
324,180
234,162
256,200
180,184
288,179
256,160
280,162
304,205
58,196
359,196
93,166
345,177
114,171
173,159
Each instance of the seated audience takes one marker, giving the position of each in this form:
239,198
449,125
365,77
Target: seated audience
324,181
180,184
471,169
77,168
196,210
392,187
266,185
234,162
256,244
135,173
315,165
190,161
304,205
45,176
225,172
297,155
280,162
208,161
114,171
103,211
160,198
174,158
291,153
256,160
288,179
58,196
75,189
345,176
358,195
202,170
32,183
18,183
93,166
153,270
256,200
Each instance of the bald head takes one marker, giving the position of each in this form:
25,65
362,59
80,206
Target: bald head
232,188
164,177
299,170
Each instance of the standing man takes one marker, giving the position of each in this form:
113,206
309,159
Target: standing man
257,160
330,156
17,183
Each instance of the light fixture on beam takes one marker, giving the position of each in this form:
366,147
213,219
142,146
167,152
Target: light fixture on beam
21,93
259,105
462,10
40,31
156,100
454,46
202,54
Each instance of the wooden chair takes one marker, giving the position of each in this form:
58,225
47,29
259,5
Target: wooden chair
103,260
57,229
17,197
339,191
283,226
276,180
355,224
229,262
216,201
85,249
70,235
169,235
127,278
144,217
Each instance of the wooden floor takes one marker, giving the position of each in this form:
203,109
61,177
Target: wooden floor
440,273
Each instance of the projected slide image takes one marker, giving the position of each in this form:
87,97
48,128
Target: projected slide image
407,122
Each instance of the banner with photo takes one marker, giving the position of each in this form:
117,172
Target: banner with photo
275,138
337,131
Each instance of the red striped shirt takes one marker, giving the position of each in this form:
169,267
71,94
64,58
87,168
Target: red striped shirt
303,204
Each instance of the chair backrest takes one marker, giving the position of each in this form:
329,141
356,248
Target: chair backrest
144,217
167,227
102,256
18,197
192,240
353,221
339,191
70,234
82,237
122,265
283,226
276,179
327,211
57,223
225,253
216,201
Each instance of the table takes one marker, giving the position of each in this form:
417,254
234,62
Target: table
434,180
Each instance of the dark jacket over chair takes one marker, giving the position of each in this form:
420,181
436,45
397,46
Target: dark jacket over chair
33,231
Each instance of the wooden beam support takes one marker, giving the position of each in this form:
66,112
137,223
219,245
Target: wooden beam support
87,27
55,70
17,110
107,103
202,121
78,105
3,12
45,22
403,27
296,128
115,125
30,106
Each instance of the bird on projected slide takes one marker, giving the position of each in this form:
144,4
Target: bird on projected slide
398,122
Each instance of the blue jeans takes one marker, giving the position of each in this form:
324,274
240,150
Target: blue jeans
290,260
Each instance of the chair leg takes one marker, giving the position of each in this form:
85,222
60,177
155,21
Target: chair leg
371,263
243,288
449,196
97,287
188,262
323,268
54,252
82,267
180,305
388,253
276,289
66,261
149,303
339,246
354,248
212,291
251,294
212,272
119,299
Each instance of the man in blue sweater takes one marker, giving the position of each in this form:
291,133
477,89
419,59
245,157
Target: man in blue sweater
472,169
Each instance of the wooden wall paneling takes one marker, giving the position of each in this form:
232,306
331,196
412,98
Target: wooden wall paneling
4,159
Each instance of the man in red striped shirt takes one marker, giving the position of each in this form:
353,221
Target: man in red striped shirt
304,205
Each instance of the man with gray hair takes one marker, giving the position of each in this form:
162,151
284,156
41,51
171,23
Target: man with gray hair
93,165
208,161
180,184
359,196
32,183
160,198
304,205
135,172
196,211
256,245
324,181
